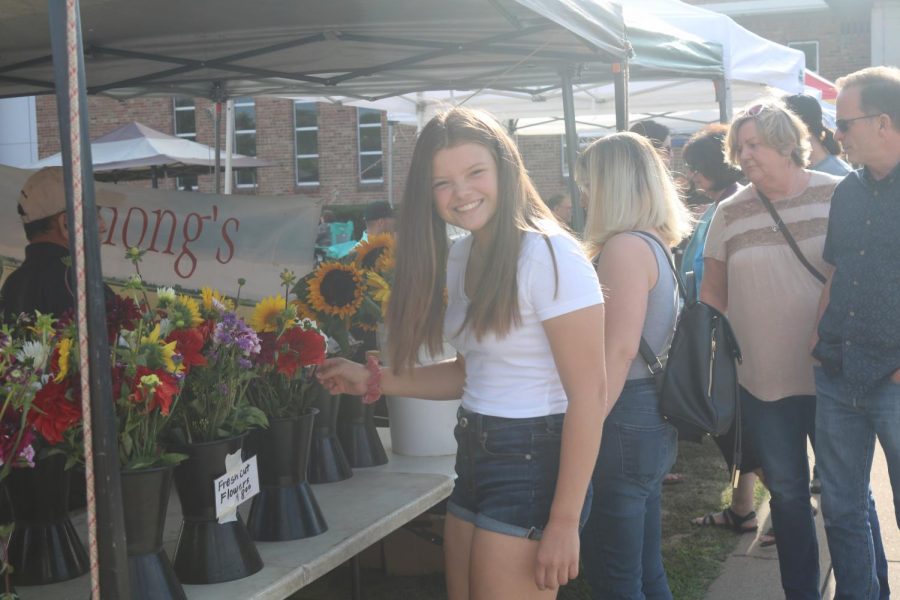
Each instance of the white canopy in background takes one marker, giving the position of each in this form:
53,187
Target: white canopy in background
133,150
752,64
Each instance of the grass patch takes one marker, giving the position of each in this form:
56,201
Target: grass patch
693,556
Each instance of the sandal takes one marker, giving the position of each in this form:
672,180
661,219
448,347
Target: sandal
767,539
730,520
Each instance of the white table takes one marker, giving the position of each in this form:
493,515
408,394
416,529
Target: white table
359,511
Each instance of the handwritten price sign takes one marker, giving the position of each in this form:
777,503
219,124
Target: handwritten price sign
236,486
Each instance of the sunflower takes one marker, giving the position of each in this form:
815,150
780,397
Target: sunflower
213,300
266,313
336,289
184,312
303,310
158,353
64,353
379,289
371,251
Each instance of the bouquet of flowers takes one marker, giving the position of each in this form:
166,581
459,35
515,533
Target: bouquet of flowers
347,295
215,405
290,349
25,350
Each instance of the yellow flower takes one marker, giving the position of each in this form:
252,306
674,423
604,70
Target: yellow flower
213,299
185,313
371,251
381,291
336,289
266,313
159,353
65,352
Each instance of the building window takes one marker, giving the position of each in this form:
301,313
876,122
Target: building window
370,156
186,127
811,50
583,142
306,142
245,138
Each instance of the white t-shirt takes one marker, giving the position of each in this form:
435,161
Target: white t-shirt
515,376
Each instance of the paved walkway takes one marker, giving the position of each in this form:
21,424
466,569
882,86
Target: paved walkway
751,572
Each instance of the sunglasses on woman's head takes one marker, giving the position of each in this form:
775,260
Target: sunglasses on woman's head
843,125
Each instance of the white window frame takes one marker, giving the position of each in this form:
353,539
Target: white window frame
359,126
297,155
192,136
242,103
799,46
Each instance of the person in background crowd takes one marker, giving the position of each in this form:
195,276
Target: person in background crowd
751,274
525,313
858,345
45,281
379,217
323,232
825,150
634,215
561,206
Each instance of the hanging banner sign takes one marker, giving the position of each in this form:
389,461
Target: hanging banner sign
191,239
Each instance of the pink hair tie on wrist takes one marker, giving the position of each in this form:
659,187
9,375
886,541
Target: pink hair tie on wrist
373,393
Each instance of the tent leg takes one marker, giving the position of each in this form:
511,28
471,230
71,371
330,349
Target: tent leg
723,95
154,177
620,85
113,563
568,99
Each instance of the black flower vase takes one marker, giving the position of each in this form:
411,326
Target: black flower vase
209,551
145,499
43,547
357,433
327,461
285,508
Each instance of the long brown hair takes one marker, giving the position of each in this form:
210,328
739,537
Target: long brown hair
415,313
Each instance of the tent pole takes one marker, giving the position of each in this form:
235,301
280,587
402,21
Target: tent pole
217,119
154,177
724,97
620,85
568,99
110,521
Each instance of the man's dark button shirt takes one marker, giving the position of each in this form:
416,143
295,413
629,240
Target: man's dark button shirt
859,334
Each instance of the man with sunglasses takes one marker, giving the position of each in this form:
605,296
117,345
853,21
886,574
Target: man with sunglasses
858,345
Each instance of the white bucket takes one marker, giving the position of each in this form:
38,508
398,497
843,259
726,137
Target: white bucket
423,427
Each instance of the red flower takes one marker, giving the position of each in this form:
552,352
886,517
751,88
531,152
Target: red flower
121,314
56,411
266,354
159,395
298,347
189,346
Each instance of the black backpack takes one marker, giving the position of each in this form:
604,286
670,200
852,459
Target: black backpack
698,385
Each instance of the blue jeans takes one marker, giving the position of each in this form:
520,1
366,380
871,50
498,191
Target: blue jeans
506,472
621,542
779,431
845,446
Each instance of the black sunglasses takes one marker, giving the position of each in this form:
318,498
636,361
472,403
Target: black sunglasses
843,125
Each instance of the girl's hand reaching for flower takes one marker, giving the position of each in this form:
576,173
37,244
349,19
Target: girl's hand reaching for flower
341,376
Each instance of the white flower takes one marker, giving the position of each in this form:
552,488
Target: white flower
35,353
165,295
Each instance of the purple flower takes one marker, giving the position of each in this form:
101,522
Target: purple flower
244,363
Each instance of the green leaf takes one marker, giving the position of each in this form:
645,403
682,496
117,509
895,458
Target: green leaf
172,458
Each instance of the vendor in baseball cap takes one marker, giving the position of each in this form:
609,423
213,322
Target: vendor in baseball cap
44,281
44,195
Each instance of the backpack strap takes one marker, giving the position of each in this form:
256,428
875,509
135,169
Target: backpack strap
653,361
780,226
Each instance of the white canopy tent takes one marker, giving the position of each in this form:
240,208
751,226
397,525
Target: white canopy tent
135,151
752,65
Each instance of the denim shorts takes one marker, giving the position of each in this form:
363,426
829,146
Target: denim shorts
506,473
